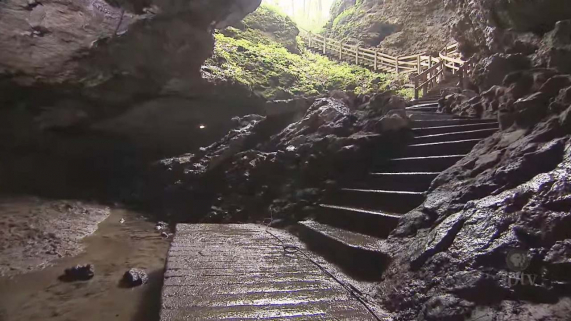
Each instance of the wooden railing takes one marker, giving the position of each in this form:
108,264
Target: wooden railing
430,71
449,59
368,57
428,79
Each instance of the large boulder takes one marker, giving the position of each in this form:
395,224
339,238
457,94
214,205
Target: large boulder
492,70
555,49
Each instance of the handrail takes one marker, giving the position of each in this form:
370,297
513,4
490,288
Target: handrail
369,57
429,70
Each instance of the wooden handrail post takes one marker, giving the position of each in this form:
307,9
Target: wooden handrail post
376,52
356,55
340,50
461,76
416,88
397,64
418,63
429,62
324,45
310,40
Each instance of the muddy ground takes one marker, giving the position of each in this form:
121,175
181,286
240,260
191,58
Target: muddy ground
48,236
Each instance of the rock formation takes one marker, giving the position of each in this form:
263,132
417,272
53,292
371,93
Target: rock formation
93,86
511,191
277,167
398,27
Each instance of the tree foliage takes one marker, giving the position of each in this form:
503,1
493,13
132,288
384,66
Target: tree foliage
310,15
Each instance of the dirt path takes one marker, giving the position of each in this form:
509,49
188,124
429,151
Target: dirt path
113,249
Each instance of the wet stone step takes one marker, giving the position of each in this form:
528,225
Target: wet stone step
361,255
360,220
383,200
454,136
420,115
440,148
420,123
455,128
428,106
421,164
412,182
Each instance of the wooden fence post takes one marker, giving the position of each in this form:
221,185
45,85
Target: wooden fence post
375,60
418,63
356,55
324,45
429,62
310,40
340,50
397,65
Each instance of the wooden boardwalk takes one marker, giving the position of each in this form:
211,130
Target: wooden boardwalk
241,272
425,71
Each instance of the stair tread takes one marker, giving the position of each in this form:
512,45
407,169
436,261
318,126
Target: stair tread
403,173
348,238
475,131
428,157
378,191
454,126
466,119
361,210
447,142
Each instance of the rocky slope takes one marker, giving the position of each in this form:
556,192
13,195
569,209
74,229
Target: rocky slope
398,27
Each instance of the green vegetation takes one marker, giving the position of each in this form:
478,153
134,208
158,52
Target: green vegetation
259,59
346,19
275,25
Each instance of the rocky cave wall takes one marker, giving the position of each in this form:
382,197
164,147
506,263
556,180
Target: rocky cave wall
97,88
398,27
512,190
275,169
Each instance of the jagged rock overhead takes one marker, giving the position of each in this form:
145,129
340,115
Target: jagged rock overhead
491,26
93,42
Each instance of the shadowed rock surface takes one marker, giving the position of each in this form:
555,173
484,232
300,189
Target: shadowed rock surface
278,166
96,90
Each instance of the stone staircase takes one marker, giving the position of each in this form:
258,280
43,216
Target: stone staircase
354,220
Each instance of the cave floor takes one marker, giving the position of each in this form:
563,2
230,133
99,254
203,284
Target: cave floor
124,240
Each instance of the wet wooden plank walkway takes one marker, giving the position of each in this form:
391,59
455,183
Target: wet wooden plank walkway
240,272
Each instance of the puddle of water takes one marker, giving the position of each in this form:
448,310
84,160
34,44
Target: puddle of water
113,249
